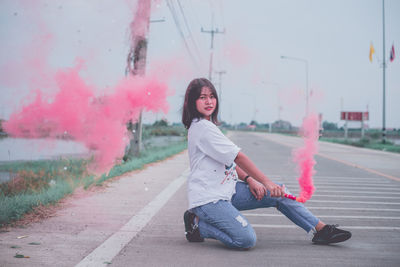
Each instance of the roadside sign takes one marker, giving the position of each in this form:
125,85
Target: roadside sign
354,116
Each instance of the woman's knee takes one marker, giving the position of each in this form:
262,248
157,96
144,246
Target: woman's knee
246,240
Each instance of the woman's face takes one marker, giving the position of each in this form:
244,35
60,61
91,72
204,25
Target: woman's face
206,103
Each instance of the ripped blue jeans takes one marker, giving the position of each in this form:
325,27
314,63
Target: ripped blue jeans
223,221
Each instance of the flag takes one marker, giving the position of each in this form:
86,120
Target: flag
371,52
392,55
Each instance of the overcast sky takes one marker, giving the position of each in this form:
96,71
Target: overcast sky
333,36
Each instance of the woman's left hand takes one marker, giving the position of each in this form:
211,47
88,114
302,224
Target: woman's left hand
257,189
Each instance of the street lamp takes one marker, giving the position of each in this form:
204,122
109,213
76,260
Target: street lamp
306,64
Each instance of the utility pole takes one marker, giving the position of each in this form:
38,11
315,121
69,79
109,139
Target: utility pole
384,77
136,65
220,73
212,32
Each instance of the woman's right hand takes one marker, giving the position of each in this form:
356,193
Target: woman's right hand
256,188
274,189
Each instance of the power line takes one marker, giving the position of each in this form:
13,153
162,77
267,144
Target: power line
178,26
220,43
188,28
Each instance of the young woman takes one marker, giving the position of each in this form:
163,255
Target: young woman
215,196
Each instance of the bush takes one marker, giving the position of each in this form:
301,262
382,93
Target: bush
329,126
149,131
160,123
375,135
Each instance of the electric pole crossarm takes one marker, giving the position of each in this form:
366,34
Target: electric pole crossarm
212,32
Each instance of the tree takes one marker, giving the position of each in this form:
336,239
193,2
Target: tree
161,123
253,122
282,125
329,126
264,125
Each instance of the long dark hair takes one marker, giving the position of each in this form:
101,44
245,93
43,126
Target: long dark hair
193,92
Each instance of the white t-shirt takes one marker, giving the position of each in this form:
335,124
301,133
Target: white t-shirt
212,169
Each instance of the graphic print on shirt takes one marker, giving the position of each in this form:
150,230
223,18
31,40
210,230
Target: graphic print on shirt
230,173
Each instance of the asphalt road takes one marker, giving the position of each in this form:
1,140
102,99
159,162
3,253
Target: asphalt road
365,203
136,220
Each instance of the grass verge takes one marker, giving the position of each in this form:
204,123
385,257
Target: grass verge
40,183
148,156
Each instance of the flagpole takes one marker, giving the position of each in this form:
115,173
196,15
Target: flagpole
384,77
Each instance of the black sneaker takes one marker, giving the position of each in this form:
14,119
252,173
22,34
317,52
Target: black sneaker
191,229
330,234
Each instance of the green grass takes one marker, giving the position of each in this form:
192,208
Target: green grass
151,131
366,143
148,156
35,176
46,182
14,207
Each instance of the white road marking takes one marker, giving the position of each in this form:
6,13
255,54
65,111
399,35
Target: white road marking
371,227
358,192
335,182
353,202
115,243
375,188
352,196
356,209
347,184
332,178
343,227
327,216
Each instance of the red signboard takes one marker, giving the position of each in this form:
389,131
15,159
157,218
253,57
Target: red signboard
354,116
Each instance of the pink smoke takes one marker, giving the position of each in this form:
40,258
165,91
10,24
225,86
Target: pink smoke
98,122
72,109
304,156
237,53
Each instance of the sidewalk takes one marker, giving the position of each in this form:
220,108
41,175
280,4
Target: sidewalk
87,218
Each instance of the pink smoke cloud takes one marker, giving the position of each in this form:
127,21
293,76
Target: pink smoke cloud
237,53
304,156
97,122
62,103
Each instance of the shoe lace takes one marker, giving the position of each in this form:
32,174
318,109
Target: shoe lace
332,227
194,227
